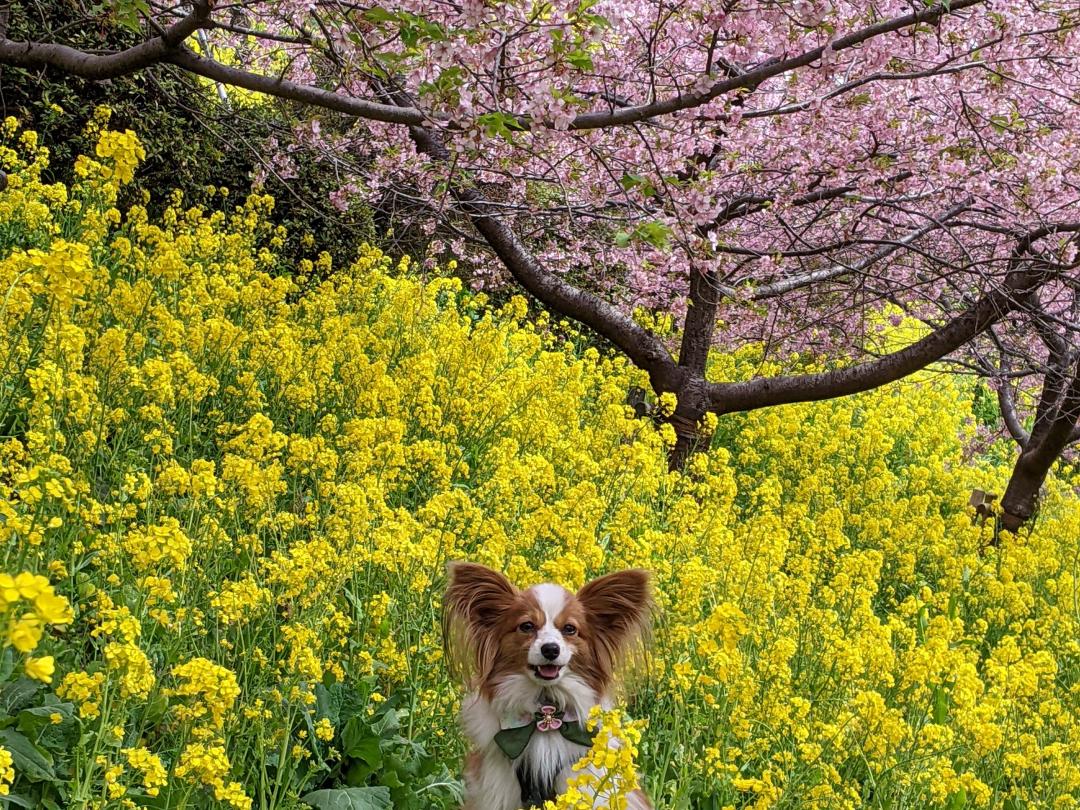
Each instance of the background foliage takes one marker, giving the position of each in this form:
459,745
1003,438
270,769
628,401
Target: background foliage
193,143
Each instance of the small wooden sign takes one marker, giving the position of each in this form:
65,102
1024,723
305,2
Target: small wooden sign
983,503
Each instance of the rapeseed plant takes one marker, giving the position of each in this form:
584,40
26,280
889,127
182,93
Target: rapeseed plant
230,485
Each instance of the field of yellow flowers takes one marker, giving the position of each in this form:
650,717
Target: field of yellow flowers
229,488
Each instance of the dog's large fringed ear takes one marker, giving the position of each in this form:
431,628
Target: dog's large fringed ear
476,600
617,607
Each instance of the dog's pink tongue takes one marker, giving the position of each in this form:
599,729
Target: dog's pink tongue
549,671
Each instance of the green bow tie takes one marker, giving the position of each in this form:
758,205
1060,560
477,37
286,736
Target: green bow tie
512,741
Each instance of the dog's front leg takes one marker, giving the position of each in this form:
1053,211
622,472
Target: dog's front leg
490,781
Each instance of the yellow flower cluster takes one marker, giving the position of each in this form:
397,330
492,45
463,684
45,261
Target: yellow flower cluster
123,153
7,772
151,771
48,608
23,631
246,483
212,687
239,599
163,545
606,775
84,689
130,666
207,765
324,730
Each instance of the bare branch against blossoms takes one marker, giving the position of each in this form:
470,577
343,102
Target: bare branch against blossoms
788,175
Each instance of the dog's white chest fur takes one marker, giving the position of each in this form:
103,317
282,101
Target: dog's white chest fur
546,760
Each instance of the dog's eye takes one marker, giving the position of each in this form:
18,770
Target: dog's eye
526,627
569,630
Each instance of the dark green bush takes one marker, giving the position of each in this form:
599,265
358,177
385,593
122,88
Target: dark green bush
192,140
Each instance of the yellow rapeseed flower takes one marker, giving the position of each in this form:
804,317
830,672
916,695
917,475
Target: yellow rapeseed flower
40,669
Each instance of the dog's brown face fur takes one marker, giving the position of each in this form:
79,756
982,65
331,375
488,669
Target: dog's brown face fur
512,631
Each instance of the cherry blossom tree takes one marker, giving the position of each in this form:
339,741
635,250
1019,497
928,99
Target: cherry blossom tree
775,171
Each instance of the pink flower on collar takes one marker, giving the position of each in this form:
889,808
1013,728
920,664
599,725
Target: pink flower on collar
549,722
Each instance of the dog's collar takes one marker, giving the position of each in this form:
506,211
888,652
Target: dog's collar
512,741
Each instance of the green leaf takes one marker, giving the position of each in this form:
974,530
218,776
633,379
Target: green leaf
415,29
353,732
580,59
156,709
500,124
378,14
447,80
387,725
357,798
7,664
630,181
391,779
14,800
941,705
127,13
958,800
29,760
367,751
357,774
18,695
37,724
328,700
656,234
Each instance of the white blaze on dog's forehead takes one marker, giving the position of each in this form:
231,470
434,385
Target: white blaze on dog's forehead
552,600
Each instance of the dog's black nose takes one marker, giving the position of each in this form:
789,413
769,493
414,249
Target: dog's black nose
550,651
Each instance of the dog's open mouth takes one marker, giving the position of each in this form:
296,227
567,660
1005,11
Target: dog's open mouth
547,672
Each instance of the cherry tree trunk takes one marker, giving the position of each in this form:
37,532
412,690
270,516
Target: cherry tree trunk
1043,449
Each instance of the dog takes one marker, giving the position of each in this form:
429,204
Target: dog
536,661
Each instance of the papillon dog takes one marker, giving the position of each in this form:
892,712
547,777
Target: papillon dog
536,662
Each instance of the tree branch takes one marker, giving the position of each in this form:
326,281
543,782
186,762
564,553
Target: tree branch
1018,287
644,349
168,49
1054,382
751,204
108,66
1007,404
700,322
304,39
293,91
752,78
789,284
1005,396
